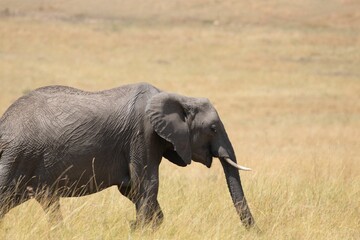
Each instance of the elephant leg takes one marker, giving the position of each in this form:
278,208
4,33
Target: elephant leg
51,207
144,174
126,189
148,210
144,195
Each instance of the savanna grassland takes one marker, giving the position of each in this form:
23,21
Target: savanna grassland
284,76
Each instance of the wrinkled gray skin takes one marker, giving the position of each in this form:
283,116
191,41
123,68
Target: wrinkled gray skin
62,142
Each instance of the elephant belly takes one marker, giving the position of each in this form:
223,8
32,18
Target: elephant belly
83,176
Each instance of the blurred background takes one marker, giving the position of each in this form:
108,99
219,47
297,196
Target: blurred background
284,76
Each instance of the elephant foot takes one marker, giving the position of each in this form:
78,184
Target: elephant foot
157,220
153,223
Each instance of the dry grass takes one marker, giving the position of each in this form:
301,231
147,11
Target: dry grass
284,76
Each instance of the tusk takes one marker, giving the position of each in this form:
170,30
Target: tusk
229,161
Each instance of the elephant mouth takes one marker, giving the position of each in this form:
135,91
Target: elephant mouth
207,160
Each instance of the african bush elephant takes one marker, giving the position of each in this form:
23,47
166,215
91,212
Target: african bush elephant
59,141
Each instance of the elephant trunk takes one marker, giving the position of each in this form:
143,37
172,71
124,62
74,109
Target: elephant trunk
225,152
237,194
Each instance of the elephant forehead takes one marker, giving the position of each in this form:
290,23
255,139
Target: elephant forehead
207,117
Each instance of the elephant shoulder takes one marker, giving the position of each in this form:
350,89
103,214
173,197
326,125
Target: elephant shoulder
145,88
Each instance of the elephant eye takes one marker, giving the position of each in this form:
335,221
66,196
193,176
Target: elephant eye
213,128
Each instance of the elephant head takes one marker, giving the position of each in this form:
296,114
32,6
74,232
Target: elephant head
195,131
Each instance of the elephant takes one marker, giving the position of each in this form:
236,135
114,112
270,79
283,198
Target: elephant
59,141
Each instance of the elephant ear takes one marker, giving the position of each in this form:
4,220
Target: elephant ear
168,118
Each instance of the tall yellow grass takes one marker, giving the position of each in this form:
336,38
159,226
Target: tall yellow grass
286,84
